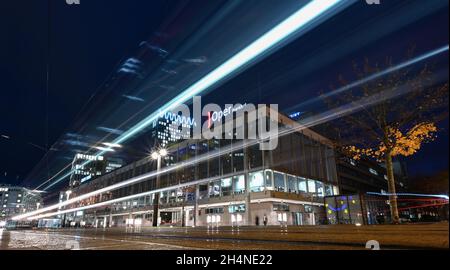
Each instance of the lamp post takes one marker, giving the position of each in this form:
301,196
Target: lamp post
68,192
157,155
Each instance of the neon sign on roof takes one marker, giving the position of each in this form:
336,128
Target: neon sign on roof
214,116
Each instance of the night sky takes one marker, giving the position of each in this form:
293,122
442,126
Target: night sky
82,46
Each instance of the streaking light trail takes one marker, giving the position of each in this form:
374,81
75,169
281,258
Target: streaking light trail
308,122
299,20
410,194
379,74
121,199
104,149
292,24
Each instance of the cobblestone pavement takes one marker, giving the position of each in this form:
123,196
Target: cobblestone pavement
332,237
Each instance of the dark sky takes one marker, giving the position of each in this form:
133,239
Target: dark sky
83,45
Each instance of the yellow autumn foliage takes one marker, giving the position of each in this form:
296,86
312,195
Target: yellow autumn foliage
400,143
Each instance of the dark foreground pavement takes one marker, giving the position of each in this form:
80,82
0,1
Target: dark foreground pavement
332,237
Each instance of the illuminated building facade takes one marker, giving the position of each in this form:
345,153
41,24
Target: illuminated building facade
16,200
87,167
228,186
165,134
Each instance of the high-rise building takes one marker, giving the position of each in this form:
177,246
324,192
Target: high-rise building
164,133
113,164
87,167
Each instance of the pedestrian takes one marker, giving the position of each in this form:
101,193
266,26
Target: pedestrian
265,220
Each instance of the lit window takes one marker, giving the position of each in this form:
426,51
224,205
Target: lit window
311,186
302,185
335,190
280,217
256,181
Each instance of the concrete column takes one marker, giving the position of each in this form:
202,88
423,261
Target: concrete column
247,188
197,194
156,201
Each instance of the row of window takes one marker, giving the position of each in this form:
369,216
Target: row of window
269,180
237,208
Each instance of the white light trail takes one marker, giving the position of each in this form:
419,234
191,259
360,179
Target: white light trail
410,194
340,90
134,180
276,35
105,149
309,122
299,20
112,145
126,198
372,77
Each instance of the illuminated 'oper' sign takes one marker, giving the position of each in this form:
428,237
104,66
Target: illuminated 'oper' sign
371,2
73,2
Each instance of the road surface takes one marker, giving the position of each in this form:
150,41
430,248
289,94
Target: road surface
331,237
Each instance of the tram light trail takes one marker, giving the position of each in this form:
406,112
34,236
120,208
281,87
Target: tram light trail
422,206
269,40
375,76
308,122
299,20
410,194
126,198
342,89
112,145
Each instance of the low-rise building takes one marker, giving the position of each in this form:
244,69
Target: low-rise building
16,200
228,185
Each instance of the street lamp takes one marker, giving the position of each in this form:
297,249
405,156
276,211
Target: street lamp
157,155
68,192
163,152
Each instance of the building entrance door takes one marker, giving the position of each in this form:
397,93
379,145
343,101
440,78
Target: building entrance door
171,217
309,219
297,218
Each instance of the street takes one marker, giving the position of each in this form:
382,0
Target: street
330,237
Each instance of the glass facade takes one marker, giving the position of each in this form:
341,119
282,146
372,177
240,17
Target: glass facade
239,184
256,181
299,165
344,210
